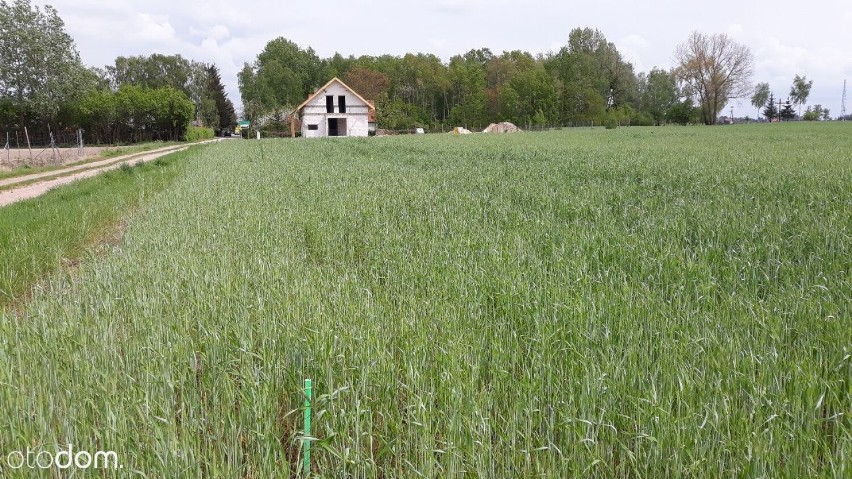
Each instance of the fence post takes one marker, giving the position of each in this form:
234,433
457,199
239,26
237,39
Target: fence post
26,134
52,143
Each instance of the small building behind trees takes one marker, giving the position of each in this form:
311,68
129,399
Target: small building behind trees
334,110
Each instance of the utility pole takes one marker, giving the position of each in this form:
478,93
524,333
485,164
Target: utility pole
732,115
843,102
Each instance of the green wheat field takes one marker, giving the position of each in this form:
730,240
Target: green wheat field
644,302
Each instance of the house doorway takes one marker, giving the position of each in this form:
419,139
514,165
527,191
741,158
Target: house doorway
337,127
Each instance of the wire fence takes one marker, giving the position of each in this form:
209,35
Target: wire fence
27,147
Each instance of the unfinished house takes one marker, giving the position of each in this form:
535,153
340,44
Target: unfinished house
334,110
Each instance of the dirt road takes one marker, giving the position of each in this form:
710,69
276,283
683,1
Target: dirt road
31,190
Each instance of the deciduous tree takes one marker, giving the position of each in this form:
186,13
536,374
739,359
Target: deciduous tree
282,76
529,94
657,93
40,68
467,88
800,91
716,68
683,112
590,77
760,96
153,71
161,71
370,84
814,113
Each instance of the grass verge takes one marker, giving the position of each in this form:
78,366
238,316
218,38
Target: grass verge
37,236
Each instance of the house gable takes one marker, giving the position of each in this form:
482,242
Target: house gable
335,110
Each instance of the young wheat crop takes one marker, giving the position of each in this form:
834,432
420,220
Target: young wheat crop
661,302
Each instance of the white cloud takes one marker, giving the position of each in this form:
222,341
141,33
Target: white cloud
219,32
153,29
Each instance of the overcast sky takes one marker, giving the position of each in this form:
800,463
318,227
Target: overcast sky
787,37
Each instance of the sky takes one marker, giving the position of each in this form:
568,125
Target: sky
786,37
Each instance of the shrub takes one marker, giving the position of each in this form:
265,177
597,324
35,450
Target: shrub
197,133
641,118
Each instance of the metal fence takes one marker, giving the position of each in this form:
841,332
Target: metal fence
37,147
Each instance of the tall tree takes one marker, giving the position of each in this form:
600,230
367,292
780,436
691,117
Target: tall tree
467,88
338,65
770,111
716,68
282,76
800,91
529,94
657,93
40,68
760,96
590,77
368,83
161,71
153,71
226,117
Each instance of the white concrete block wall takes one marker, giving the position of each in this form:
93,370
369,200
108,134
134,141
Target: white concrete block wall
314,113
320,121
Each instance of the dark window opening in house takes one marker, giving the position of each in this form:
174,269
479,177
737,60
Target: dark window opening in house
329,103
313,127
341,102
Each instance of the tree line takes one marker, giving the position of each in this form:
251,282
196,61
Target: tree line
585,82
44,82
784,110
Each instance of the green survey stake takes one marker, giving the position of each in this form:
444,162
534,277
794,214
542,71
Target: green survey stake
307,458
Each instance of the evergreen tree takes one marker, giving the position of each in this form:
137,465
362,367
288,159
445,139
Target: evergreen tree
770,111
216,90
788,112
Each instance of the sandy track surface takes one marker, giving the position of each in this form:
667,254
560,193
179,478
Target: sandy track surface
39,188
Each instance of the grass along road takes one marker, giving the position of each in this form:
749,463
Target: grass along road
41,235
644,302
